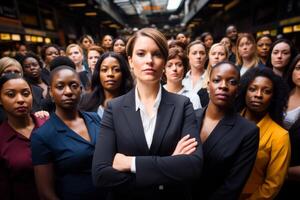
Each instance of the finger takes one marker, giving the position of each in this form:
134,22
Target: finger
183,139
190,151
188,142
190,146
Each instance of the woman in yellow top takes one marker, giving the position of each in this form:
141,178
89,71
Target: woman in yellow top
261,99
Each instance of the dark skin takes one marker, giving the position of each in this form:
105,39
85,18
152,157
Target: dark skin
222,86
65,90
32,70
258,97
16,99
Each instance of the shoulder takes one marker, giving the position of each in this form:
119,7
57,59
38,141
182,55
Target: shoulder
278,130
93,116
46,129
169,97
242,122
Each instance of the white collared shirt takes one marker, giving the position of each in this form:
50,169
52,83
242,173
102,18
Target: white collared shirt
149,122
187,82
194,98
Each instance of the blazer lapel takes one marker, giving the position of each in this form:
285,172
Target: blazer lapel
219,132
134,121
61,127
164,116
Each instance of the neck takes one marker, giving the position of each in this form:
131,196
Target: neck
110,95
36,80
19,122
214,112
254,116
263,60
147,92
197,71
79,67
248,62
173,86
67,115
277,71
295,92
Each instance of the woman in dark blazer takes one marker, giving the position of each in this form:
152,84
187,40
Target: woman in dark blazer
229,141
148,145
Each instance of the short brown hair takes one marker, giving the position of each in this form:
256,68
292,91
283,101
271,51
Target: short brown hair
97,48
152,33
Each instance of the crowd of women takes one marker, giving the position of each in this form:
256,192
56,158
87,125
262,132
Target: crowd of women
151,118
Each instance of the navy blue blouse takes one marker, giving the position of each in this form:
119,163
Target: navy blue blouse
70,154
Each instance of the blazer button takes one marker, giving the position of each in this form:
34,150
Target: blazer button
161,187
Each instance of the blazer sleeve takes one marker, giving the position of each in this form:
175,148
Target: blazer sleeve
276,170
103,174
152,170
241,168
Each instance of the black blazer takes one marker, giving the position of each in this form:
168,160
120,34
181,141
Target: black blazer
229,155
158,174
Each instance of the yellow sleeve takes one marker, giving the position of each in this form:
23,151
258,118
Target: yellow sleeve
276,169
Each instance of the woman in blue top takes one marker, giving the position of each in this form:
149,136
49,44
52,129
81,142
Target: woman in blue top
63,148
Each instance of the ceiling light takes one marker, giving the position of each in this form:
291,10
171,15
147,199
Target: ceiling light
216,5
173,4
120,1
90,14
73,5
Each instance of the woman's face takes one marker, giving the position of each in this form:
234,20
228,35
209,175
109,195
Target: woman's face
12,69
263,46
208,41
280,56
197,56
226,42
174,70
182,38
107,42
51,53
31,68
296,74
110,74
119,47
75,55
16,97
147,61
86,43
65,89
259,94
92,57
217,54
223,85
246,48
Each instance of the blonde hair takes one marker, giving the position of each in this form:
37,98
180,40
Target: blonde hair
210,51
6,62
71,46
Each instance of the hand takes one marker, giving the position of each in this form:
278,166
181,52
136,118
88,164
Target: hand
185,146
41,114
122,163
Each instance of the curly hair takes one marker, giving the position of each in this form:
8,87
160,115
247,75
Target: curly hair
96,97
280,92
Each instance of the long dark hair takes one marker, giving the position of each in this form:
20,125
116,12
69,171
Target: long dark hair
280,93
97,97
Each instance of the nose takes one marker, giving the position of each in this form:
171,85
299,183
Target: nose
223,85
110,72
67,90
149,58
20,98
258,94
